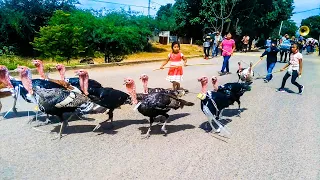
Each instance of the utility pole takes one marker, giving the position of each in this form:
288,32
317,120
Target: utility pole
149,8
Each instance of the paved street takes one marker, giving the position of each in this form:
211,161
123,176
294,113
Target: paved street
276,137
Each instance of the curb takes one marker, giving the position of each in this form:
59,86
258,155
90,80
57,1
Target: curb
90,66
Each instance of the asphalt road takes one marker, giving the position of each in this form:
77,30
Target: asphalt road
276,137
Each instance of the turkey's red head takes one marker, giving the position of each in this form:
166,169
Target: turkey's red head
144,78
62,70
26,78
131,88
84,80
4,76
204,83
214,80
39,64
239,66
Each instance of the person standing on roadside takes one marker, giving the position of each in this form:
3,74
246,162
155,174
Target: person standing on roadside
227,47
268,42
284,47
245,41
216,42
206,47
271,53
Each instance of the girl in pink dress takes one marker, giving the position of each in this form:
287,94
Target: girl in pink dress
177,60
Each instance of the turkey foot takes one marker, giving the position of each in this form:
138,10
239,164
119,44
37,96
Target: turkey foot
101,124
64,123
43,123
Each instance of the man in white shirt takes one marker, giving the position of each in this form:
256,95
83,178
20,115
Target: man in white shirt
294,70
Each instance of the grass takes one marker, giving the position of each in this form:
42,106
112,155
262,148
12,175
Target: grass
158,51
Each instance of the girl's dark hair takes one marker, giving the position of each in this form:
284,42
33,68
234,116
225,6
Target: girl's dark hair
296,45
174,43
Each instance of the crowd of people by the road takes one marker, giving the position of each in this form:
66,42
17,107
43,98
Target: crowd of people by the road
290,48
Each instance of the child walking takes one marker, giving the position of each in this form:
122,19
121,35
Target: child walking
294,70
271,53
177,60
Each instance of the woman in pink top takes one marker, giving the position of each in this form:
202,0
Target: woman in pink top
227,46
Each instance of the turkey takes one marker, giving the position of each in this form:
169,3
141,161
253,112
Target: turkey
234,91
155,104
59,101
40,69
106,97
212,104
145,78
245,74
75,81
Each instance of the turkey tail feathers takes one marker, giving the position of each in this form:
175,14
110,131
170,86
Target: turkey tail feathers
185,103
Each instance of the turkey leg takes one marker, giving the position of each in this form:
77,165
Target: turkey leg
239,110
110,113
64,123
163,128
149,130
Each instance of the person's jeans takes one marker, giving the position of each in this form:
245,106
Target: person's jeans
293,79
215,50
285,53
270,67
225,64
206,51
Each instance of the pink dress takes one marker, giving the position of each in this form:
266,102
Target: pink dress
227,46
175,71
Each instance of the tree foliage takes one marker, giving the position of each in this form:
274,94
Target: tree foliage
21,19
288,27
313,23
80,33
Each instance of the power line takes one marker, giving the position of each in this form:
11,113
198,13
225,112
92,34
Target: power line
156,3
305,11
108,2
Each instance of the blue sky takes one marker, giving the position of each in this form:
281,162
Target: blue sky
300,5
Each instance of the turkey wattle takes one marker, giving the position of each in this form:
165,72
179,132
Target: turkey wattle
155,104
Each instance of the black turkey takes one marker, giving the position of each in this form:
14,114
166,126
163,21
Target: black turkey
106,97
234,91
212,104
59,101
155,104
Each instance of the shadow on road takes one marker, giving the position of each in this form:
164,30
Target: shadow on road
289,91
156,129
18,115
232,112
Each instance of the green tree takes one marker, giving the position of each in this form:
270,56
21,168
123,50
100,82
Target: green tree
21,19
165,18
60,41
288,27
313,23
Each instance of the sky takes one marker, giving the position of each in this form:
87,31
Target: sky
300,5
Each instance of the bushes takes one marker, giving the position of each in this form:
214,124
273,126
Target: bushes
80,33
